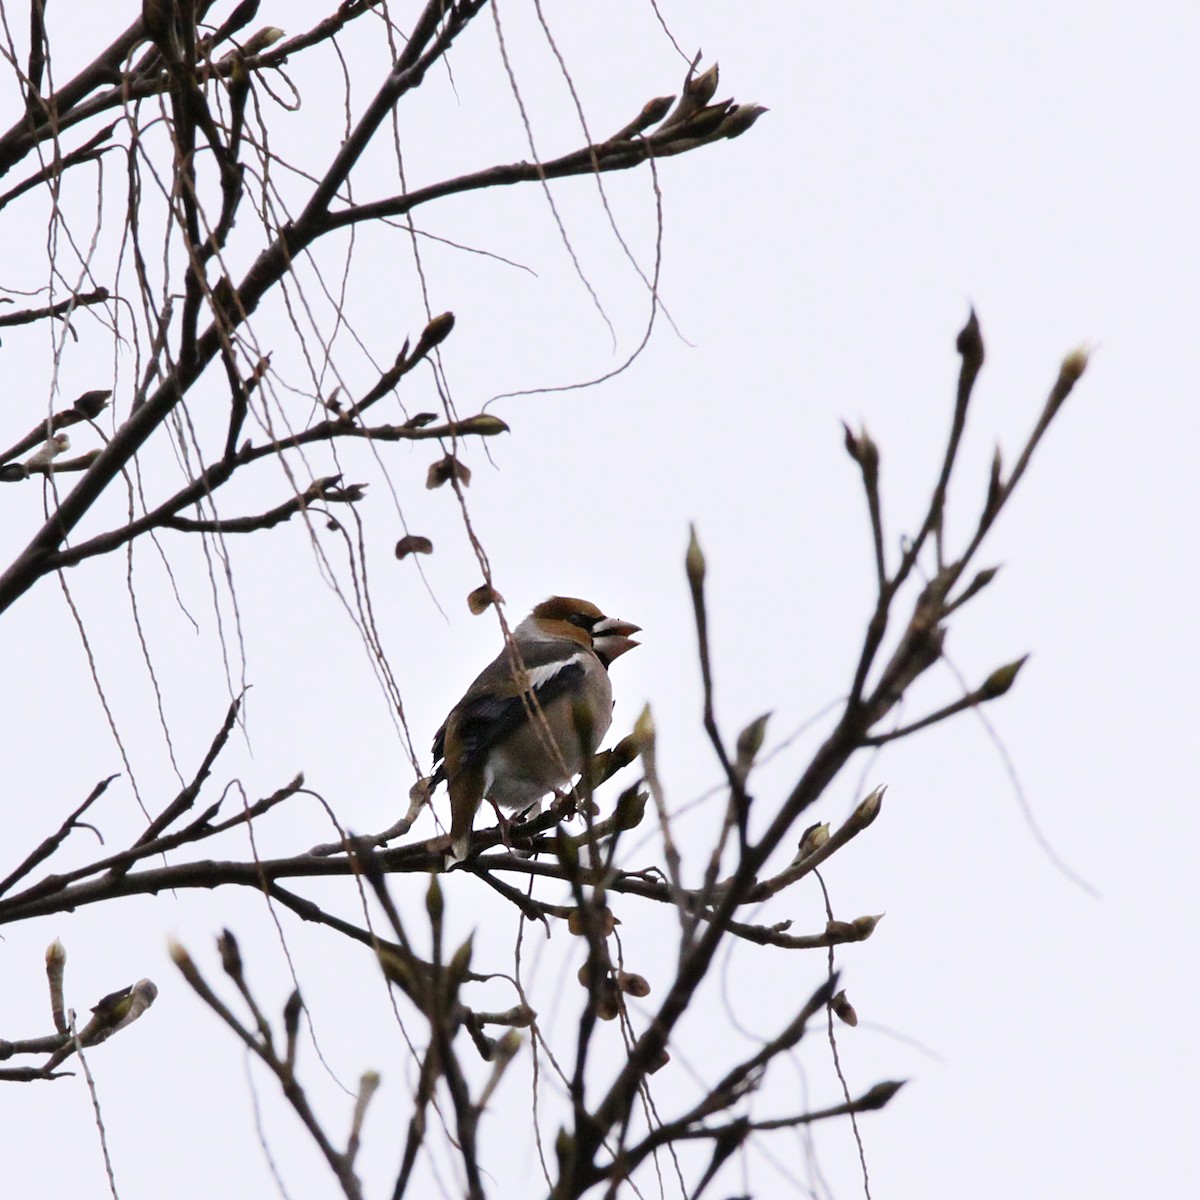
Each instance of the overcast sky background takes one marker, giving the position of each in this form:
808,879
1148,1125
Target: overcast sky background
1039,162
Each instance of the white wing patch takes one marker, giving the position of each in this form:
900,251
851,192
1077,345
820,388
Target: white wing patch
540,676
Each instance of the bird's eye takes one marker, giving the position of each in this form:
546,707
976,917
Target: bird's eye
582,620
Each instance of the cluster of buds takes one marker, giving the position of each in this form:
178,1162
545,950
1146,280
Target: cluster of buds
606,983
611,988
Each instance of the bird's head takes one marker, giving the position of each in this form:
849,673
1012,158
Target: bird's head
582,621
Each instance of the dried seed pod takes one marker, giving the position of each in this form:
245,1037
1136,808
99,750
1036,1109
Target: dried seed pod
482,598
608,1002
633,985
413,543
577,922
446,469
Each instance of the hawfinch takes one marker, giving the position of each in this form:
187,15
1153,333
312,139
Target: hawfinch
496,744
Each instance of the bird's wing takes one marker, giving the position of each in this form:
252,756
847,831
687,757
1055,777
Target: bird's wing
486,720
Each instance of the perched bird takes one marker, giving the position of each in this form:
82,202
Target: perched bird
496,744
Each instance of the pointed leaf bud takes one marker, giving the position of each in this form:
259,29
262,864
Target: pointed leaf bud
981,580
631,808
843,1009
643,728
231,955
179,955
969,342
1001,679
995,483
695,560
482,425
292,1009
460,961
652,112
865,926
868,808
91,404
435,905
739,119
434,334
1075,363
815,836
141,996
702,88
257,42
879,1095
749,743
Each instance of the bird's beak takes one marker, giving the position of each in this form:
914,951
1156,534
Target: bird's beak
611,639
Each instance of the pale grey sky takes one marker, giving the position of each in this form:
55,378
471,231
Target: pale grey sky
1039,162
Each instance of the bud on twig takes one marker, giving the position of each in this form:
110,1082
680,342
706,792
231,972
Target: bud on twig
257,42
843,1009
749,743
179,955
815,836
460,960
291,1026
995,483
91,404
694,560
56,962
231,955
631,808
482,425
865,926
368,1085
868,808
1001,679
1075,363
434,904
879,1095
739,119
49,450
434,334
644,732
